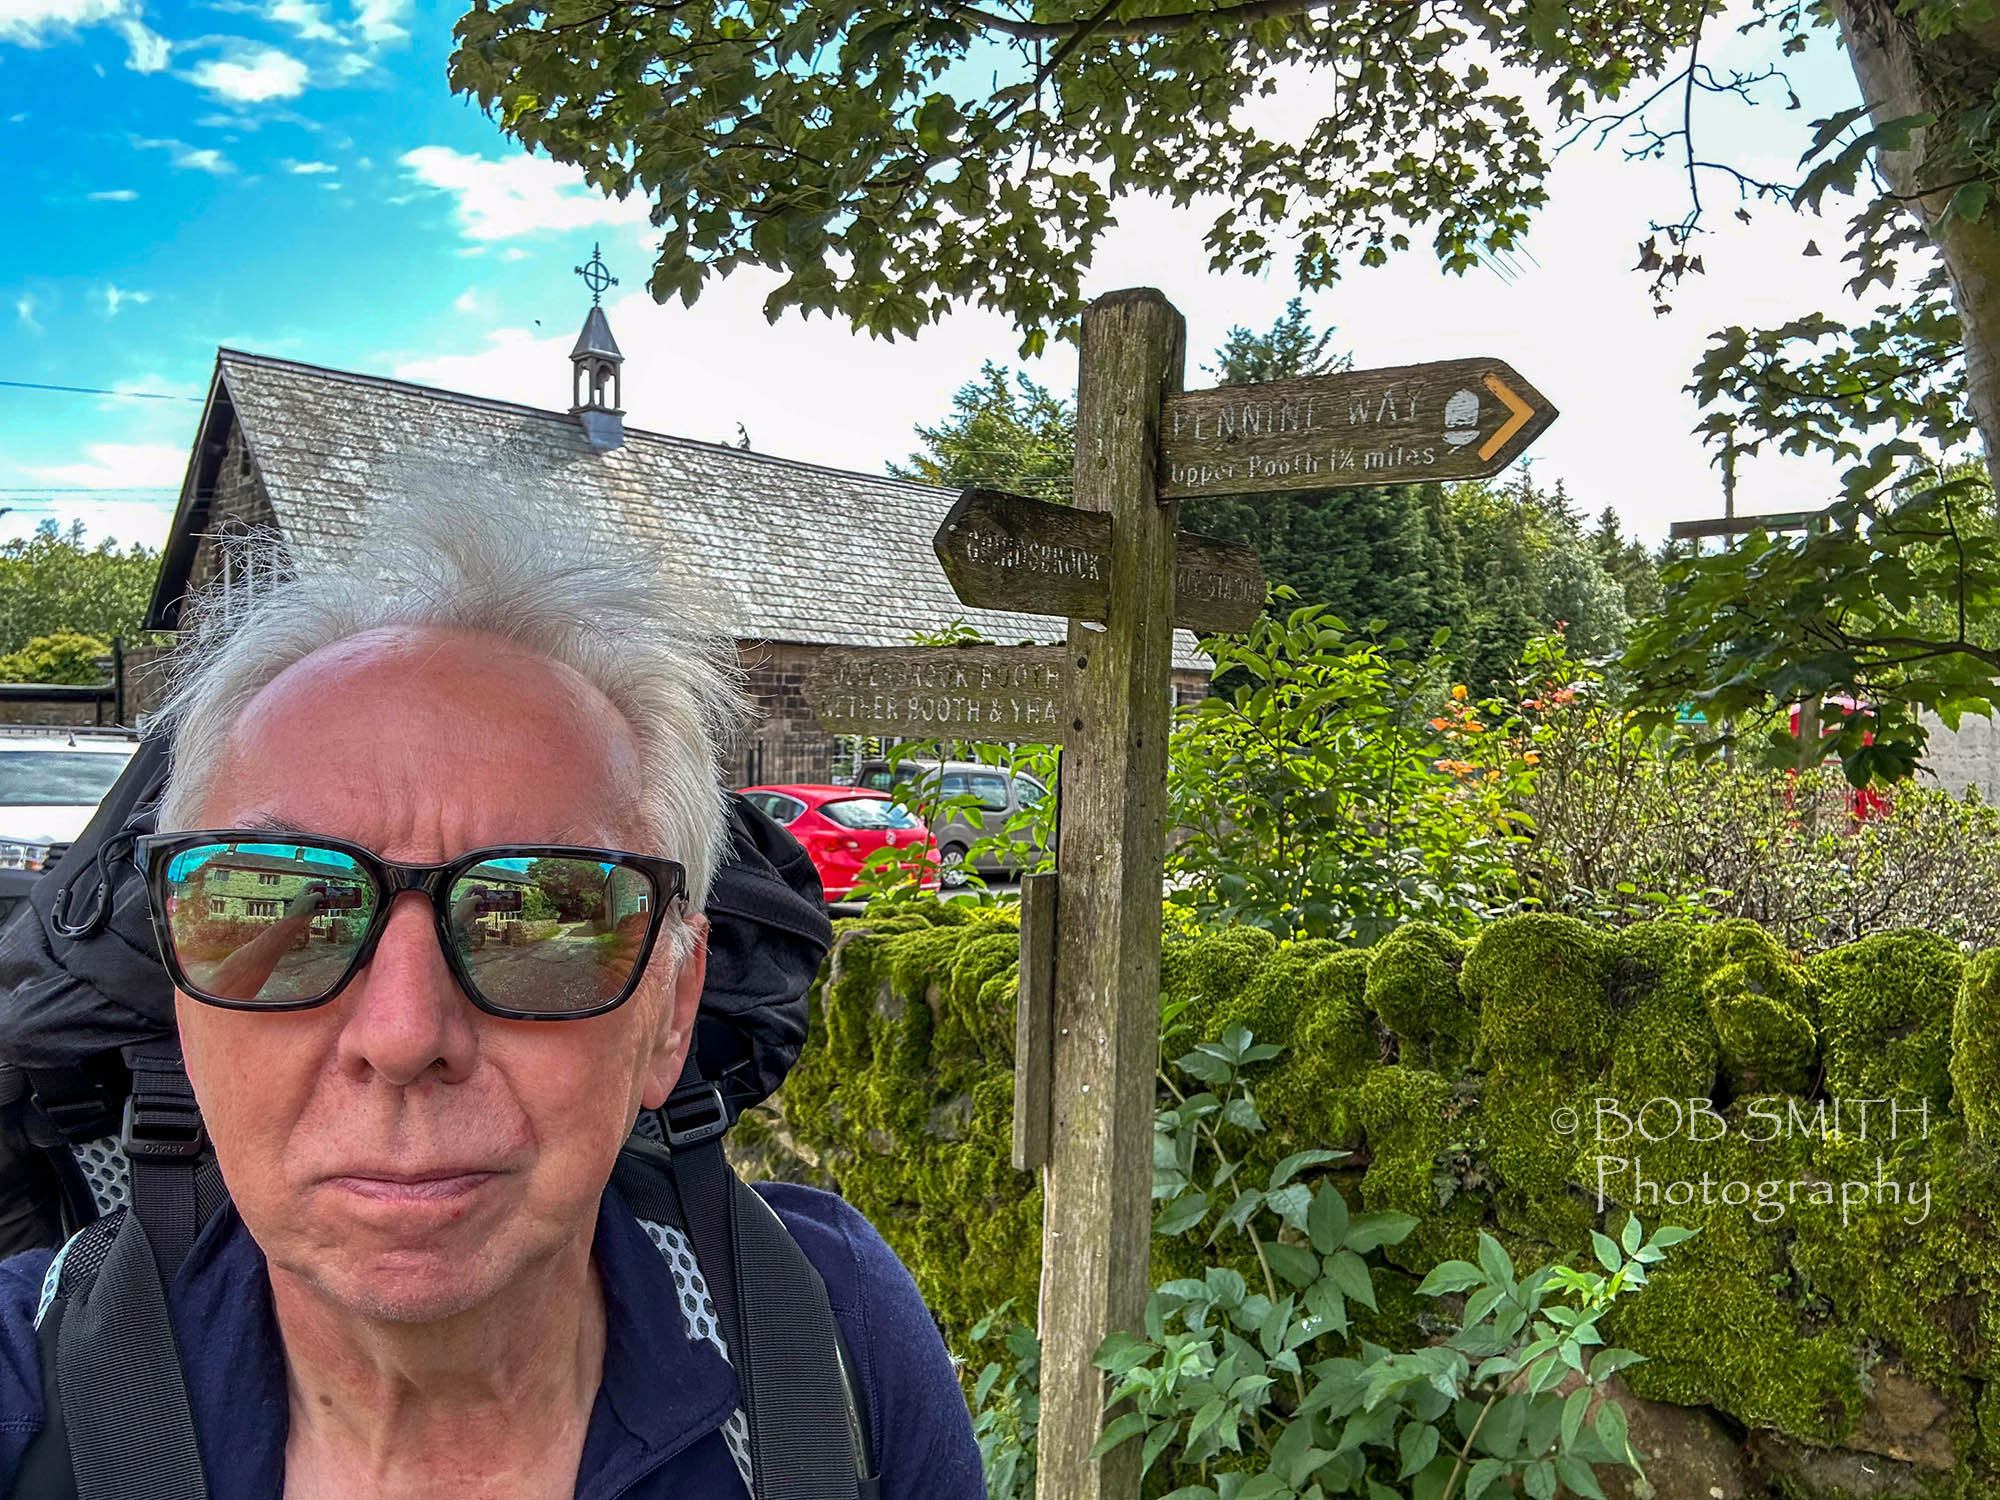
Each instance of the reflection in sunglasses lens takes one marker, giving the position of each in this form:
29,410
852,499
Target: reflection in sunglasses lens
273,924
550,936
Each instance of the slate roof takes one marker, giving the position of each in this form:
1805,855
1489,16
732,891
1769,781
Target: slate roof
798,552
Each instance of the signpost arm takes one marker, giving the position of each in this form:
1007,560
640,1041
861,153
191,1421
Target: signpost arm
1097,1223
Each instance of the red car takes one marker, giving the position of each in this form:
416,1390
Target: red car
840,826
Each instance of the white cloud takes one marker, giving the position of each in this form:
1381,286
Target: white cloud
380,21
188,158
305,17
513,252
252,75
308,168
112,195
466,301
36,23
24,308
116,297
517,195
118,466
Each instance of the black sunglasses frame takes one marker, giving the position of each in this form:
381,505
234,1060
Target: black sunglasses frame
154,853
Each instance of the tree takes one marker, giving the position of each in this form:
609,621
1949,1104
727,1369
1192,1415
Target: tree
1289,350
63,657
576,892
50,583
1005,432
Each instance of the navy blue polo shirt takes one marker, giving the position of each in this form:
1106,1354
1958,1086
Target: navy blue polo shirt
656,1430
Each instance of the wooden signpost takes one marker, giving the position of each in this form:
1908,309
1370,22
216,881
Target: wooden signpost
1004,551
1012,694
1455,419
1117,566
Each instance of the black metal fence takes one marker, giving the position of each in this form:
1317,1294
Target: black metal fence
799,760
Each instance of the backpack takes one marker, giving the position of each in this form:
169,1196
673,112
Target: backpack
102,1151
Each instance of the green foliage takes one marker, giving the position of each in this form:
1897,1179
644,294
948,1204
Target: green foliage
1314,796
1259,1388
1291,350
1835,613
577,894
1004,432
1772,1319
1621,825
51,585
64,657
888,162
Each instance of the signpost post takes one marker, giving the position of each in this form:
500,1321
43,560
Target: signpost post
1117,567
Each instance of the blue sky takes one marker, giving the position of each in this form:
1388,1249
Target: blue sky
295,177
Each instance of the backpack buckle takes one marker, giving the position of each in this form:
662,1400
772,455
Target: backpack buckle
163,1127
694,1115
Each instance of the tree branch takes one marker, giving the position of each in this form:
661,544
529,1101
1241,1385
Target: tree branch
1137,30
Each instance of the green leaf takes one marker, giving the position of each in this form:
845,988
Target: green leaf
1418,1445
1349,1272
1495,1261
1181,1215
1297,1162
1327,1220
1574,1407
1610,1361
1291,1204
1579,1476
1610,1426
1607,1251
1294,1263
1539,1479
1370,1231
1121,1429
1450,1276
1482,1476
1630,1236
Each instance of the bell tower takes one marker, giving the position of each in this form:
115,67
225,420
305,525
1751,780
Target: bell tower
597,385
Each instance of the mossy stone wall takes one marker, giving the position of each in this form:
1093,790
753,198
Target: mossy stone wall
1535,1082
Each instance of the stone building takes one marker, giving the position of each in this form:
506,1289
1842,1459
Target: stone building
291,459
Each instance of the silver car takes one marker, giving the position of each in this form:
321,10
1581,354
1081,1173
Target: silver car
1000,795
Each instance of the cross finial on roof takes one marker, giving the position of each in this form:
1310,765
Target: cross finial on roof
596,275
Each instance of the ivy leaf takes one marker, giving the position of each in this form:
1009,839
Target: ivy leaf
1121,1429
1450,1276
1297,1162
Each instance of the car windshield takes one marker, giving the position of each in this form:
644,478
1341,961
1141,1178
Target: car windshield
869,812
57,778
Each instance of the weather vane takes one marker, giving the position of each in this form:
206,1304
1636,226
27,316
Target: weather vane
596,275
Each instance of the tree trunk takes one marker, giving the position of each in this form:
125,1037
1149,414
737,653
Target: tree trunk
1902,73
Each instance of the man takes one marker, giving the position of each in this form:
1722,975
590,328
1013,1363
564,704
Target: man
423,1284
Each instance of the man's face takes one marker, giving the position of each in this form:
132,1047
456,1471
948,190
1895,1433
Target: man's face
401,1152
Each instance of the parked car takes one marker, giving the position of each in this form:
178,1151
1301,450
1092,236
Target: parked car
840,826
1000,794
51,780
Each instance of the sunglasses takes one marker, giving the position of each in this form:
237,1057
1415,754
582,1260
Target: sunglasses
252,919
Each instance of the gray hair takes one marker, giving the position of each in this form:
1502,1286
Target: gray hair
431,560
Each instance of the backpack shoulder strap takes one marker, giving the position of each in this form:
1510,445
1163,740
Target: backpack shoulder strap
118,1425
809,1436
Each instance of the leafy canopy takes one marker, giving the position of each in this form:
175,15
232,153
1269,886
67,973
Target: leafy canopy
889,160
51,583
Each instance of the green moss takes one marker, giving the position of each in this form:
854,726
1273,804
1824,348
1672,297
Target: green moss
1541,985
904,1098
1210,969
1975,1048
1410,1116
1665,1045
1760,1006
1886,1005
1413,987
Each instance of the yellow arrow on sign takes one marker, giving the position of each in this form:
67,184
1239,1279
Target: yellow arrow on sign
1521,410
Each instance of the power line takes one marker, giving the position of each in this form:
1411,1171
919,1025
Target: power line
91,390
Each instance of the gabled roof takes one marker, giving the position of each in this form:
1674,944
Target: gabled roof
791,551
